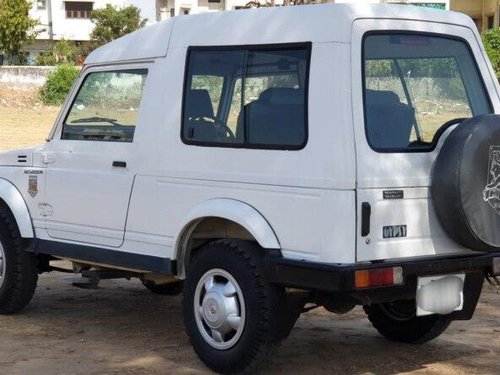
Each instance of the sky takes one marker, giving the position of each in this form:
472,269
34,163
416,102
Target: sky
147,8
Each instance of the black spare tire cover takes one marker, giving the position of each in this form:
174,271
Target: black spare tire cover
466,183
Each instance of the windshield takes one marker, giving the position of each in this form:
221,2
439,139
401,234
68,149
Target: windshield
416,84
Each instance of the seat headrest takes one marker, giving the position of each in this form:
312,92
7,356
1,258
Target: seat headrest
375,97
199,104
282,95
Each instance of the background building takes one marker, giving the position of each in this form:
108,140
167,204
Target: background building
485,13
70,20
171,8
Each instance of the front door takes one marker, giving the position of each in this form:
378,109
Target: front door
415,87
90,163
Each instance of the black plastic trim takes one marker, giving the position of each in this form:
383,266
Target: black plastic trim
252,47
113,258
439,132
340,277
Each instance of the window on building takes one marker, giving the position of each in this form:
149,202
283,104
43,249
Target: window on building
78,9
214,1
477,22
416,84
106,107
491,22
247,97
41,4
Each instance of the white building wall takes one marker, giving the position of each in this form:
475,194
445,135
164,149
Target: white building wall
77,29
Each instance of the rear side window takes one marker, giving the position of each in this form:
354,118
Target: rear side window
415,86
251,97
106,107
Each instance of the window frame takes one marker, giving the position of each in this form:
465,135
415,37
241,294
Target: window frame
435,140
77,13
74,96
307,46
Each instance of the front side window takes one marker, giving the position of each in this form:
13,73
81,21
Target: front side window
106,107
246,97
416,84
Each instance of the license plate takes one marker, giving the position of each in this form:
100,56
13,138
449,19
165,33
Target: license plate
440,294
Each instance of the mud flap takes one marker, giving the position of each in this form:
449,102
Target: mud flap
472,290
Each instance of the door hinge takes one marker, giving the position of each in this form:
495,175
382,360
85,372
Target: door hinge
45,209
48,158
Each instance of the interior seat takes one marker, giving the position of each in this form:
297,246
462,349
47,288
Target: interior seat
388,121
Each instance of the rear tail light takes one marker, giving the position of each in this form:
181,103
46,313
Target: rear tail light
378,277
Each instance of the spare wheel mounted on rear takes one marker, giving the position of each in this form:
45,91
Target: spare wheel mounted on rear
466,183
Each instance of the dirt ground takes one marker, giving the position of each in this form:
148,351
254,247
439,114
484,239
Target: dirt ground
122,328
24,121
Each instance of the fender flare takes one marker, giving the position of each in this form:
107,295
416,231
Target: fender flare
229,209
14,200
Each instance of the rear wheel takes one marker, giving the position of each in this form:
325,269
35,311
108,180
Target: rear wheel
397,321
229,307
18,268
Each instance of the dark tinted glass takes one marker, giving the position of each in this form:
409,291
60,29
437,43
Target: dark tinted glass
247,97
414,84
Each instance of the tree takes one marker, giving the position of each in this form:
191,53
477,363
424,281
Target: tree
112,22
16,26
64,51
491,41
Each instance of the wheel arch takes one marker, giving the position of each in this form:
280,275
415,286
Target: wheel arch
12,199
223,218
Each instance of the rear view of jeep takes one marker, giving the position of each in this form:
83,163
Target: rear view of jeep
353,160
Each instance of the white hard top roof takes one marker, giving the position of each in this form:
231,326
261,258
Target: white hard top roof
307,23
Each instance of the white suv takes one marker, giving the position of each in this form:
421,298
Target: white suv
262,160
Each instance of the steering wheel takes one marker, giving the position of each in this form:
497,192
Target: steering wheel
221,129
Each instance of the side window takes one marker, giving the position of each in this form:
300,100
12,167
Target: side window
416,84
247,97
106,107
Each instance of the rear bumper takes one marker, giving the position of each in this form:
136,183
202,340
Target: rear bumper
338,279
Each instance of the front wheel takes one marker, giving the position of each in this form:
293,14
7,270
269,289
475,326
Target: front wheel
18,268
229,307
397,321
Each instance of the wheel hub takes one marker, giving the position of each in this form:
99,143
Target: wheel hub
214,309
219,309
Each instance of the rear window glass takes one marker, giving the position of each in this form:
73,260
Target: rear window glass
247,97
416,84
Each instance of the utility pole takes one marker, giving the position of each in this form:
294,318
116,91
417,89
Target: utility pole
49,19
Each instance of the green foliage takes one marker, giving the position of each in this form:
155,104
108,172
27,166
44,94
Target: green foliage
64,51
58,84
112,22
16,27
491,41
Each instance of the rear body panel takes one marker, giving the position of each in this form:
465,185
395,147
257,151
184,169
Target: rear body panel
406,212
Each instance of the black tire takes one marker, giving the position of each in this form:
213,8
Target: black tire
465,183
397,321
21,273
170,289
242,260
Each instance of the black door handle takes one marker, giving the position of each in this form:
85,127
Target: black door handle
120,164
366,211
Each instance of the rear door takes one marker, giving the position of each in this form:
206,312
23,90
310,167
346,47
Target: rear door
415,86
